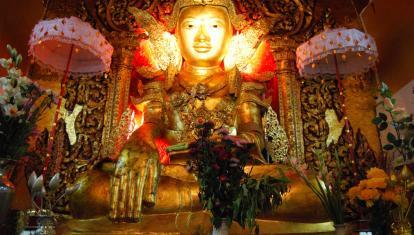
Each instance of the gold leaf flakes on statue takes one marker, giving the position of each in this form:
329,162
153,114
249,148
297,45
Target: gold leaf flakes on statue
335,126
70,119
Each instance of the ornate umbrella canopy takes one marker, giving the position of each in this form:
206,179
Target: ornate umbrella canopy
68,45
51,43
355,51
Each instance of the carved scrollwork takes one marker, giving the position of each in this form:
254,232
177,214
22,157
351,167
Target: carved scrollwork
286,17
72,160
318,94
289,17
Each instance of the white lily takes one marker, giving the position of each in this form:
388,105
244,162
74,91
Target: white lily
5,63
12,110
14,73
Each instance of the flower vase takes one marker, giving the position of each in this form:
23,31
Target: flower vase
401,228
45,225
222,230
340,229
7,188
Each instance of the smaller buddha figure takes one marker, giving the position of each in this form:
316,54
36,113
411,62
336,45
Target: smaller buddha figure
202,72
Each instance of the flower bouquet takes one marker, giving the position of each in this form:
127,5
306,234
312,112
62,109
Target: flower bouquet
226,190
325,182
22,102
381,193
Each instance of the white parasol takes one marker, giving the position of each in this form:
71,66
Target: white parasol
341,52
353,51
68,46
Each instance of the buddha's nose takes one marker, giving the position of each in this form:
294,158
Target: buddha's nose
202,34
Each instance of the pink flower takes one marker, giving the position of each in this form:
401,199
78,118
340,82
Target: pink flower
388,103
399,113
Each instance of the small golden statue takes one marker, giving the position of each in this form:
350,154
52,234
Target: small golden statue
215,67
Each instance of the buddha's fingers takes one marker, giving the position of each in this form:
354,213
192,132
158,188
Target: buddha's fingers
132,178
122,198
117,181
152,179
139,191
113,213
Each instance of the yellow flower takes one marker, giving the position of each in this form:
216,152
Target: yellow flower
369,194
363,183
376,173
353,192
389,195
377,183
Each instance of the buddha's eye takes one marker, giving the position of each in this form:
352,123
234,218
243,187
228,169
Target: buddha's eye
190,26
215,26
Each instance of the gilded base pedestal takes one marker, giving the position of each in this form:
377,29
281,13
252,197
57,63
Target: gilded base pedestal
183,223
301,211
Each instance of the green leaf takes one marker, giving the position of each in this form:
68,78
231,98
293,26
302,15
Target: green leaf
377,120
411,143
385,90
391,138
18,60
383,116
10,49
383,126
209,204
388,147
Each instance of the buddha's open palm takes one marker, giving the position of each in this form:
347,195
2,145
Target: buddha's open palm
136,176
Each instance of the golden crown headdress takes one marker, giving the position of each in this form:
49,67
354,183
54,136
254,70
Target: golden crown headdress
236,20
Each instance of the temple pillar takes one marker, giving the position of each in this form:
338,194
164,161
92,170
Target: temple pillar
124,44
289,93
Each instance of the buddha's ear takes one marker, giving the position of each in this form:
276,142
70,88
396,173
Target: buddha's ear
244,45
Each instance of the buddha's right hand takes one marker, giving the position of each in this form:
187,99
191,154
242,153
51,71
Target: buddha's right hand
134,182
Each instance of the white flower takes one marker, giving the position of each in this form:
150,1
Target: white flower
3,95
5,63
14,73
19,99
4,81
13,91
24,81
12,110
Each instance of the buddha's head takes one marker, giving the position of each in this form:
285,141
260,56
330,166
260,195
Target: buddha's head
204,30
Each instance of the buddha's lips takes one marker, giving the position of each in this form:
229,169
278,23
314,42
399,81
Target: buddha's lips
202,47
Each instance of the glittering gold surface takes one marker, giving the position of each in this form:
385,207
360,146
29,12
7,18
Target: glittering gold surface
70,119
184,223
360,105
335,126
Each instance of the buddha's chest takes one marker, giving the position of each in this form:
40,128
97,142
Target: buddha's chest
185,111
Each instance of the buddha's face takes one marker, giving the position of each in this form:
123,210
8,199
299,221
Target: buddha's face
203,34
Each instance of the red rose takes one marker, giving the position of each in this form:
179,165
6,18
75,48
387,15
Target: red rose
215,166
223,178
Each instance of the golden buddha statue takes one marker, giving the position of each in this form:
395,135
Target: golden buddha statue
203,72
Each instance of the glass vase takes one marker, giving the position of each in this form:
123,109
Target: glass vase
340,229
7,189
46,225
222,230
401,228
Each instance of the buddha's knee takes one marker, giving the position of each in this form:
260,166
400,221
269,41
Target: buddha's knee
175,196
91,200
